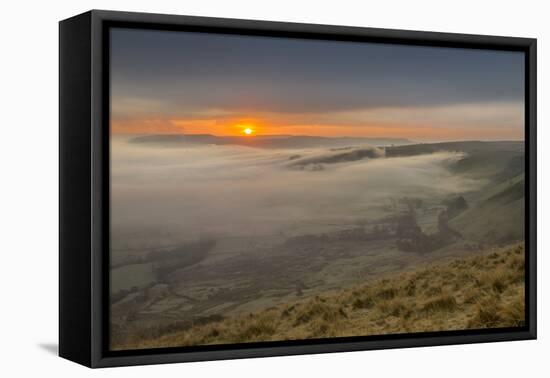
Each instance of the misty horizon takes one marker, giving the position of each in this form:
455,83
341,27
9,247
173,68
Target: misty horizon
412,141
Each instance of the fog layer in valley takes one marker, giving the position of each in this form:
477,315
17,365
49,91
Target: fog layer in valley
238,191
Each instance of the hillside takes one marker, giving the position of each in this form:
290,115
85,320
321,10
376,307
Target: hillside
496,161
486,290
497,218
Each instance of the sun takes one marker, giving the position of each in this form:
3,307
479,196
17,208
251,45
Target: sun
248,131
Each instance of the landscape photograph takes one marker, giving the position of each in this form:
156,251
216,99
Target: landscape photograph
276,189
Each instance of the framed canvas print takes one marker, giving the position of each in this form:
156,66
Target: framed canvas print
233,188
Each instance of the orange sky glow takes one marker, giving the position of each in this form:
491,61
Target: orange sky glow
419,132
497,121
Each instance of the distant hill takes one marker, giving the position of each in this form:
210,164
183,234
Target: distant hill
464,146
333,156
266,141
484,291
493,160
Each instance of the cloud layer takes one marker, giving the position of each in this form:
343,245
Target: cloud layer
232,190
197,81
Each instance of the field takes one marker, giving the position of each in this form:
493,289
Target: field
295,238
485,291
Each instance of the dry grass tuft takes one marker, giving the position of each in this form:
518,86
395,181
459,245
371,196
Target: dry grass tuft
484,291
442,303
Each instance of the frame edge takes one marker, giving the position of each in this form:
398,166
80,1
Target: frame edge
75,274
100,17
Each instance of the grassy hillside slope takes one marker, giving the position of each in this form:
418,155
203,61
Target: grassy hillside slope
486,290
499,217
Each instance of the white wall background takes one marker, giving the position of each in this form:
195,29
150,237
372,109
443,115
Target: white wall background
28,207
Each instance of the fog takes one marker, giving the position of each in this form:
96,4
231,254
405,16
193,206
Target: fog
241,191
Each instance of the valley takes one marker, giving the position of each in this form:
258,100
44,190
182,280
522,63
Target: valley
275,235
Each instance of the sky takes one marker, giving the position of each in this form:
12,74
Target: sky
165,82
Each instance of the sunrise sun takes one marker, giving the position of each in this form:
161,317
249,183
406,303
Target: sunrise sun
248,131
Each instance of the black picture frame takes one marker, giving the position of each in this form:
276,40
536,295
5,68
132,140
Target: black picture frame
84,187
